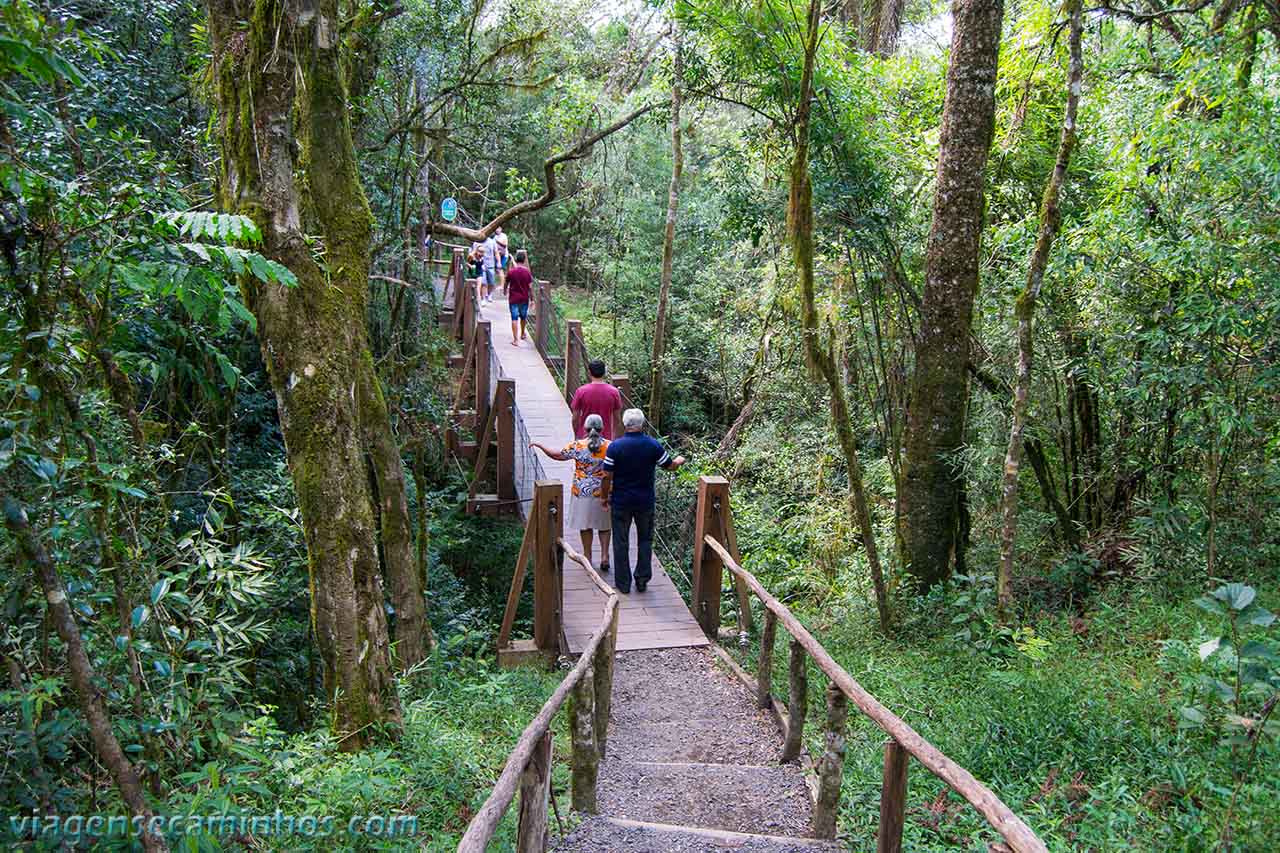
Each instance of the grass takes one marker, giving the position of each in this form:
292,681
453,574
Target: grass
457,736
1084,744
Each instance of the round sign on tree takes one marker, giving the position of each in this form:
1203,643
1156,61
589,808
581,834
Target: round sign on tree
449,209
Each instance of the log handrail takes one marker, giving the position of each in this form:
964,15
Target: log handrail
586,564
486,820
1012,829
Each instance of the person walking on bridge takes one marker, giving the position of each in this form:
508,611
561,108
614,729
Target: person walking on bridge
586,511
504,258
627,490
490,266
519,287
597,397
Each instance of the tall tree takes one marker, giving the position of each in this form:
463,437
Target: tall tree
289,163
669,238
105,743
888,26
820,356
1050,223
931,490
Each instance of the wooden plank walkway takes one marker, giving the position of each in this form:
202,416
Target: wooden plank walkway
654,619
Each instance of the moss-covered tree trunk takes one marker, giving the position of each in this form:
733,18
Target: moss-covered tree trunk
930,492
1050,222
288,159
656,381
413,635
82,675
819,355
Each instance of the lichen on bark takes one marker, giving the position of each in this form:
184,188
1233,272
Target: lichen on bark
930,495
289,163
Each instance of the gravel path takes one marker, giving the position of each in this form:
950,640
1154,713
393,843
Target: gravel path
600,835
689,748
679,705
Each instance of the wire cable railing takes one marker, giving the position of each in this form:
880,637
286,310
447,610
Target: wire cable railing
552,334
528,465
495,371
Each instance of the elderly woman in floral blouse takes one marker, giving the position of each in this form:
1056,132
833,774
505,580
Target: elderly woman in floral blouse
586,511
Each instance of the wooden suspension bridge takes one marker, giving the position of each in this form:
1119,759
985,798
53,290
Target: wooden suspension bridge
669,758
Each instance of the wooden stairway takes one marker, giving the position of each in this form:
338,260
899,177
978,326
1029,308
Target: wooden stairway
692,765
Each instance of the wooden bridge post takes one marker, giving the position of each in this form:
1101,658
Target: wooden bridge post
893,798
573,365
548,512
505,400
460,300
542,317
535,793
708,569
797,702
586,752
467,316
764,666
831,765
602,666
622,382
484,342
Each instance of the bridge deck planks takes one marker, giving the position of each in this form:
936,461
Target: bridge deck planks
655,619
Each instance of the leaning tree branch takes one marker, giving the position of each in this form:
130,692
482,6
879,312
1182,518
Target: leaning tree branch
581,149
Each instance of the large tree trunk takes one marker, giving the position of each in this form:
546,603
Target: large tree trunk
280,90
413,634
105,743
668,242
888,26
800,230
1050,222
939,386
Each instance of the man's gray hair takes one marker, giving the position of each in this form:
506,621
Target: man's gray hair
633,419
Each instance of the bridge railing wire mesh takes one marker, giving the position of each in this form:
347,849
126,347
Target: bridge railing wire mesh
495,371
554,333
528,464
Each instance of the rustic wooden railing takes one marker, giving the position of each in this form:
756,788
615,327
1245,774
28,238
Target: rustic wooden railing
588,686
714,530
485,403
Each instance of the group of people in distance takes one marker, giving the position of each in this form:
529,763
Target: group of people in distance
613,479
491,266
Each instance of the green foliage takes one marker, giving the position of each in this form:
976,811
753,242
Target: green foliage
1243,673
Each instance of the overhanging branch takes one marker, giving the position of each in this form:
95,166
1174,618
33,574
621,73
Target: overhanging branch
581,149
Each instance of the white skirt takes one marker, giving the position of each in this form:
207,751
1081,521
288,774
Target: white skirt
587,513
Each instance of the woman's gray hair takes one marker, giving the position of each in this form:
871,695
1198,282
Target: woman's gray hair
594,425
633,419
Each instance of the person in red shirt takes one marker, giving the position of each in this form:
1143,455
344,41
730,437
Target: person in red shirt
597,397
519,286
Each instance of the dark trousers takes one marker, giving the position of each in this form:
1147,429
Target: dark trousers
622,517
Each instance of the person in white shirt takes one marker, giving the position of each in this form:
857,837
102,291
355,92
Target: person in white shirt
490,267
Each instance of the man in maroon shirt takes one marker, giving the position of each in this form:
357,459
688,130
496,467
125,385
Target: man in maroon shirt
597,397
519,286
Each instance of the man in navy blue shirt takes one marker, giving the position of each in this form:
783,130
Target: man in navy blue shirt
628,491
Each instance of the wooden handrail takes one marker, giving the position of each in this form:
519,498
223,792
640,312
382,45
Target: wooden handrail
586,564
1016,834
485,823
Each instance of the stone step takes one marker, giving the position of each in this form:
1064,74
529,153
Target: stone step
616,835
734,797
712,740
